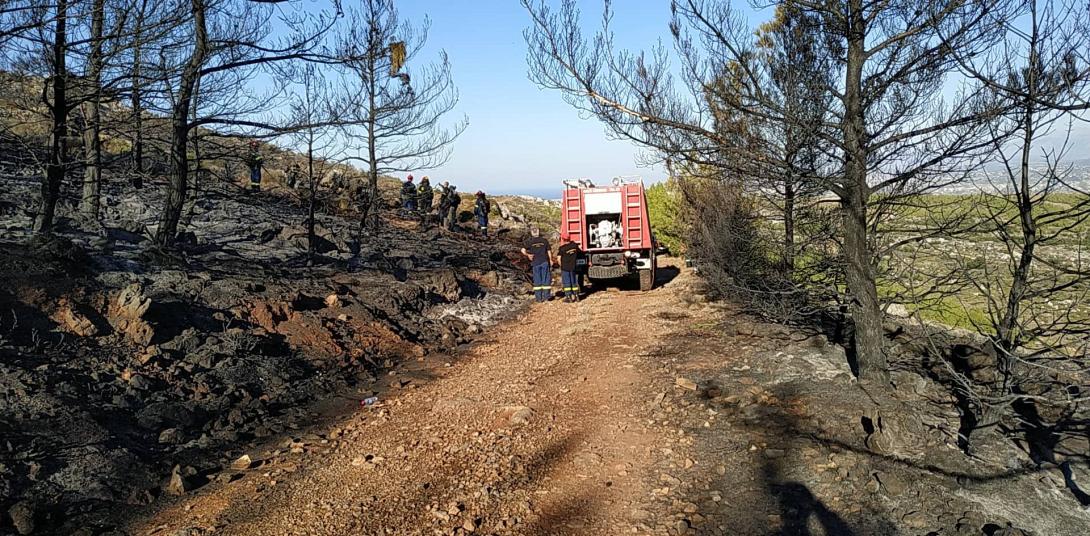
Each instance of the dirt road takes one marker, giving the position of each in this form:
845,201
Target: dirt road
540,429
628,413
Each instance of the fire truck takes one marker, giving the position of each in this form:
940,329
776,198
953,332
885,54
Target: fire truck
612,226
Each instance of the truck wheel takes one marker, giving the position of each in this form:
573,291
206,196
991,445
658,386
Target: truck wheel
647,279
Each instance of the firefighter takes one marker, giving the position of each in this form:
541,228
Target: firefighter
569,261
444,203
254,161
453,201
536,248
408,195
481,208
424,195
293,176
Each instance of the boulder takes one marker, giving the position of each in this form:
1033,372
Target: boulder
72,320
22,517
176,484
444,284
126,315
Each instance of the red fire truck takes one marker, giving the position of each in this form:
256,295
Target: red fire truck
612,226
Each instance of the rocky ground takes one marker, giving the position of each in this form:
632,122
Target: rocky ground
632,413
127,374
218,390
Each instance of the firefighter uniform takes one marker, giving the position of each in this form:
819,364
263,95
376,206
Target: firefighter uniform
424,196
254,160
453,201
537,248
481,208
569,257
408,195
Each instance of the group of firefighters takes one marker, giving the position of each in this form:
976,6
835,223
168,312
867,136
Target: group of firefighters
418,200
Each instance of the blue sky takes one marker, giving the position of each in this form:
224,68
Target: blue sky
521,138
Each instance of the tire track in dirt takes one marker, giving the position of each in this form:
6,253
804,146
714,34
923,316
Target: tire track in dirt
540,429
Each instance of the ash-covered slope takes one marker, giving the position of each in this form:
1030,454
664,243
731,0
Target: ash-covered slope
127,373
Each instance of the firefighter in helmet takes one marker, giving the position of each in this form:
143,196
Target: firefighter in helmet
408,195
424,195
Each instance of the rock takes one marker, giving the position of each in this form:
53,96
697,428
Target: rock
139,382
126,315
171,436
683,526
686,383
445,284
915,519
177,484
54,246
332,301
22,517
891,483
898,310
242,463
71,320
516,415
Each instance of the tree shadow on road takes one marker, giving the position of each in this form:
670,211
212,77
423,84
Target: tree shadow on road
781,502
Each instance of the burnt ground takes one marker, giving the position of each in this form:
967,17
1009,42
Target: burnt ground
635,413
132,383
121,366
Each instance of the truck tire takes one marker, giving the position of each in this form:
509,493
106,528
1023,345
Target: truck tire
647,279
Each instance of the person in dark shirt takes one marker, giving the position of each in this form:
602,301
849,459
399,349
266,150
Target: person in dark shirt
254,160
536,248
569,256
481,208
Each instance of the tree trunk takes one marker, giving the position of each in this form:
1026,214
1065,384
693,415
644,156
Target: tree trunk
370,214
195,145
866,314
138,101
174,202
789,226
311,239
92,144
54,173
1008,333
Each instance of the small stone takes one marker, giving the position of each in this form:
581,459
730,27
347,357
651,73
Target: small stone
171,436
22,517
891,483
469,526
686,383
242,463
517,415
683,526
139,382
873,486
915,519
332,300
177,484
